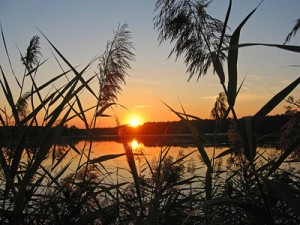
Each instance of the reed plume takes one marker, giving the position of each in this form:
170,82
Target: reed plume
113,65
32,54
195,33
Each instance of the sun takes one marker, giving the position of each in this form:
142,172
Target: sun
134,121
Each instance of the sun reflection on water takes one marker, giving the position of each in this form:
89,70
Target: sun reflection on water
137,147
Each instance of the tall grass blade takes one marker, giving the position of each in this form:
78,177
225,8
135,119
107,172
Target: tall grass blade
78,74
196,134
224,27
218,68
216,61
256,212
291,48
228,151
46,140
249,141
286,153
105,107
7,55
81,113
7,173
267,108
105,158
71,94
132,166
9,97
289,195
232,61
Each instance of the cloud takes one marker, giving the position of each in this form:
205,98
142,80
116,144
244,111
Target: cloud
251,96
144,81
211,97
141,106
257,77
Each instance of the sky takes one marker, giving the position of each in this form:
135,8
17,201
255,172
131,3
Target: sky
80,30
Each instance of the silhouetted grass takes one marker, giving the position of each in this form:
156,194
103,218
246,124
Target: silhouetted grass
241,185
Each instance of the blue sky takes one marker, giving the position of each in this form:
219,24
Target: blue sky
80,30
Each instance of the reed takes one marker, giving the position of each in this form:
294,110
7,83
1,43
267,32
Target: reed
32,191
248,189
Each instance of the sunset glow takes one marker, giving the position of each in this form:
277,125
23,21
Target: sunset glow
135,121
137,147
134,144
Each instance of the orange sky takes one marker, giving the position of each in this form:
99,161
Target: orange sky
154,78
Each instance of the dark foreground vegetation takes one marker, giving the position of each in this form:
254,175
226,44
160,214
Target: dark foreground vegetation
241,185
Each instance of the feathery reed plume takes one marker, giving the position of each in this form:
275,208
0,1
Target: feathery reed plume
195,33
22,104
113,65
220,107
32,54
30,59
293,32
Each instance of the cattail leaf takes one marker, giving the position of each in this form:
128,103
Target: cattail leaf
105,158
267,108
232,61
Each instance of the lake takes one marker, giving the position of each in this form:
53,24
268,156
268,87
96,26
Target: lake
117,168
